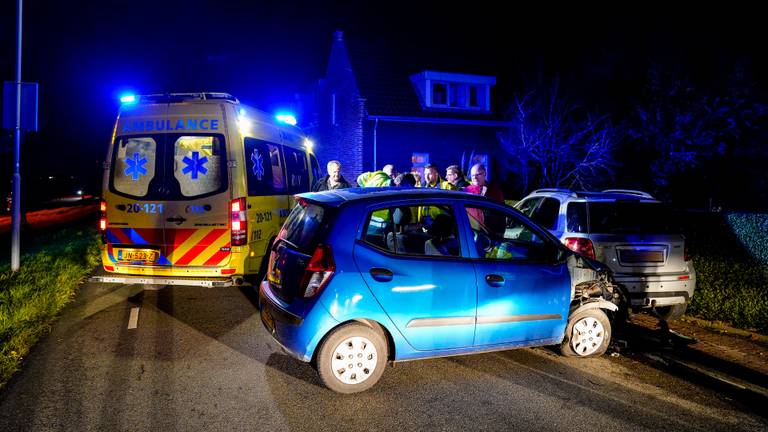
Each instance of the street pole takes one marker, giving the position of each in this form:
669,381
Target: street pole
16,233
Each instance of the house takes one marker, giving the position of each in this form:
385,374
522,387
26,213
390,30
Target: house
375,106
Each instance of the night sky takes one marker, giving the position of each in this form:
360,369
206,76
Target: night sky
85,55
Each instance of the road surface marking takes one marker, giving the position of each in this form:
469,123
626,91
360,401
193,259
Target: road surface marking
133,320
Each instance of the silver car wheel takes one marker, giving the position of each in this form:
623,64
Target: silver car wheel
587,336
354,360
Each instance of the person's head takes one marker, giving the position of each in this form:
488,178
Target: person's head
478,174
453,174
416,177
405,180
334,170
432,174
390,170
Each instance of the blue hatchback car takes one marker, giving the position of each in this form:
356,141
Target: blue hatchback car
358,278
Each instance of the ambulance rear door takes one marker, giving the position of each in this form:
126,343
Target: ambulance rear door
134,234
196,213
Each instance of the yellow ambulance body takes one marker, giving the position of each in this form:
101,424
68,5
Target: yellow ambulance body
196,186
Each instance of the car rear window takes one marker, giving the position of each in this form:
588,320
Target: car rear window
628,217
303,227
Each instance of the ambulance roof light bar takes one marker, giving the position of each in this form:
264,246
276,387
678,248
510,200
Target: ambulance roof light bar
177,97
286,118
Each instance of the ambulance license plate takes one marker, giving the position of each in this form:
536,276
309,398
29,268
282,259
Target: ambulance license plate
132,255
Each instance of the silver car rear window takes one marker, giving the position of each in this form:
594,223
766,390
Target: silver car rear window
621,217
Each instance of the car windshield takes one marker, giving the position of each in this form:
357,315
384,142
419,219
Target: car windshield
625,217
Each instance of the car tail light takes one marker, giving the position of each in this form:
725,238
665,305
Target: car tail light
319,270
686,255
239,222
103,221
581,245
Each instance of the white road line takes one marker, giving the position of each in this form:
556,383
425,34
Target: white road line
133,320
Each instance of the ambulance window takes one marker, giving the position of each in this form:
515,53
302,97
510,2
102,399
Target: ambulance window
298,171
316,174
197,164
134,165
264,168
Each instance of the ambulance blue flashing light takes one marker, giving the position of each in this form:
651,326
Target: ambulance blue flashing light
286,118
128,99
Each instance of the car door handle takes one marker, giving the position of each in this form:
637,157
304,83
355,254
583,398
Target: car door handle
494,280
381,274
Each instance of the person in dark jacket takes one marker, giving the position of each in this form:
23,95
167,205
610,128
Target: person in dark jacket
334,179
454,175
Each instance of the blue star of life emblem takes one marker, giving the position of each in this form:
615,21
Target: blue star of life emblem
195,165
258,164
135,167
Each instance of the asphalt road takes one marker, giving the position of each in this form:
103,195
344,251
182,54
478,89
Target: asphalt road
199,359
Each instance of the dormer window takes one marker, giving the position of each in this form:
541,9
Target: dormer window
439,94
453,92
473,101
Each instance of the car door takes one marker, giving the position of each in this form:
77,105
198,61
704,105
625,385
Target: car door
431,299
523,290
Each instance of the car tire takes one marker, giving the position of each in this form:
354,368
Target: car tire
344,374
671,313
587,334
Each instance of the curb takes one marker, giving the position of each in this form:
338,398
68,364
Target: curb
755,398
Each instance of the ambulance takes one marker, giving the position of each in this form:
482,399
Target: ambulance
195,189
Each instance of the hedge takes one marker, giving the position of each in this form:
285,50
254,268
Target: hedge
730,255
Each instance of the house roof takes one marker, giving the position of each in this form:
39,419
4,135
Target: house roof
383,76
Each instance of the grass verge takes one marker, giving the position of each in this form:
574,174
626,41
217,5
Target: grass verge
31,298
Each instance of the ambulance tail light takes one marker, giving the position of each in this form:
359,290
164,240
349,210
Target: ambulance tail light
103,221
238,221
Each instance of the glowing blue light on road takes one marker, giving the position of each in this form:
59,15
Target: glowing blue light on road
128,99
286,118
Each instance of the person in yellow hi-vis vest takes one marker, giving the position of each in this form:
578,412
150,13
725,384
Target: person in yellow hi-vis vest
432,174
374,179
433,180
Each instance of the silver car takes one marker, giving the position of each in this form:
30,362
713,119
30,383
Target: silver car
632,233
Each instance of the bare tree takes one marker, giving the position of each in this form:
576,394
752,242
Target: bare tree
553,144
